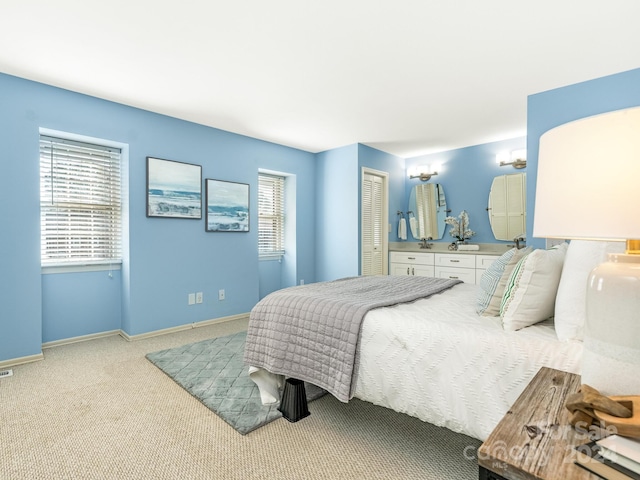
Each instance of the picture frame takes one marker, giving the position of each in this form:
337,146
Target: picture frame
174,189
227,206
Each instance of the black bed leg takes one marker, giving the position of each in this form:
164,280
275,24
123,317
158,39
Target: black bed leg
293,405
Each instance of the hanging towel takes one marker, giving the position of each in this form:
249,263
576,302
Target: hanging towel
402,229
413,225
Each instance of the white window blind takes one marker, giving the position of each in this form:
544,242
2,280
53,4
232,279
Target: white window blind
270,215
80,203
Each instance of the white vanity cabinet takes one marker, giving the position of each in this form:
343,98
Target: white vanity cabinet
417,264
456,266
460,266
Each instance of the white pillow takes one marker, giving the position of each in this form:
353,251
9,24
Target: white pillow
531,291
493,309
582,257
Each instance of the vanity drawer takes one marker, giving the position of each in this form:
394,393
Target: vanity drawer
484,261
412,258
465,274
456,260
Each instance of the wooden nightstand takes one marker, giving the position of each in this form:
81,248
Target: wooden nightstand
534,440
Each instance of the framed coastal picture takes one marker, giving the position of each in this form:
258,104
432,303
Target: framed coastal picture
227,206
174,189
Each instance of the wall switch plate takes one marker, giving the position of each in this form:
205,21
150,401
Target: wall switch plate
302,281
199,297
192,299
221,294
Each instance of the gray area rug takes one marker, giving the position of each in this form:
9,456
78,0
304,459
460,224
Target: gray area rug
214,372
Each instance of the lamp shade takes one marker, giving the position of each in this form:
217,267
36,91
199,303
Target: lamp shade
588,183
588,187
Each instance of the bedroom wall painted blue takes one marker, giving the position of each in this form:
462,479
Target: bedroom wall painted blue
337,242
20,306
378,160
466,176
166,258
270,276
89,288
338,205
549,109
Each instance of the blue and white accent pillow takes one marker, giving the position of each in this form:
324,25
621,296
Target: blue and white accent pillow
490,279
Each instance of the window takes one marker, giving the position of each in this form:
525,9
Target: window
270,215
80,203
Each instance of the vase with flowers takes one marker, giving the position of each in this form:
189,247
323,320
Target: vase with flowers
459,229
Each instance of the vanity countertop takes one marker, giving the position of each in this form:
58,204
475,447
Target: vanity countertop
442,247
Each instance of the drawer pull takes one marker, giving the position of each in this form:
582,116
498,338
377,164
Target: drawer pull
454,261
407,270
454,278
411,258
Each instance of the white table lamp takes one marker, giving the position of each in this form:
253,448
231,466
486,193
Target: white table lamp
588,187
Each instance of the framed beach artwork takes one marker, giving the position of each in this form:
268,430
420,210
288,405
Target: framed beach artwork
227,206
174,189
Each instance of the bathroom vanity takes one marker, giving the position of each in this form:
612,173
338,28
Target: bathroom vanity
468,266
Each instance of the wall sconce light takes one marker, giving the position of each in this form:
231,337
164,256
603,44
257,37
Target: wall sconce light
517,159
423,172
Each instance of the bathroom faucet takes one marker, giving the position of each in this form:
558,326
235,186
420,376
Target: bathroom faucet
519,240
424,243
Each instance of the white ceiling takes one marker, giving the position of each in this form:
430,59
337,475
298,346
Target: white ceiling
405,76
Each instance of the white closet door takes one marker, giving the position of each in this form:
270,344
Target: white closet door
373,225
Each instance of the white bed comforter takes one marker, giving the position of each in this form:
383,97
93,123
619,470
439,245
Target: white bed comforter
437,360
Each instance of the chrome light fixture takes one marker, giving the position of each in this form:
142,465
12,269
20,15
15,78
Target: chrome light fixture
423,172
517,159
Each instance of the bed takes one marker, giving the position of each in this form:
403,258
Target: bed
449,359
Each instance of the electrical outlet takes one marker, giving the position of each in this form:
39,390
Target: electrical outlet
192,299
199,297
221,294
6,373
302,281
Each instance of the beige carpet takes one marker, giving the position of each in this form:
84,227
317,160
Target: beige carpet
100,410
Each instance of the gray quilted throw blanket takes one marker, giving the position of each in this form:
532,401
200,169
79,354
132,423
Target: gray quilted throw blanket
311,332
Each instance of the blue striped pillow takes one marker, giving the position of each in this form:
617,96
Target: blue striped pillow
489,280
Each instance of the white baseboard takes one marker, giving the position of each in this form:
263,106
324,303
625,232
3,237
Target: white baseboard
34,358
82,338
20,360
180,328
213,321
155,333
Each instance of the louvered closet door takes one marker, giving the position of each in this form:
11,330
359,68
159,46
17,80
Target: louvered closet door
372,225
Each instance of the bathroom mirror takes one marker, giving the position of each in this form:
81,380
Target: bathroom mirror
507,206
428,208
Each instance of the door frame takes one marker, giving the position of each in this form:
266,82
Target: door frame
385,216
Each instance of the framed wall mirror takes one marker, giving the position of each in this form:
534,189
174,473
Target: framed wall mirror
508,206
428,207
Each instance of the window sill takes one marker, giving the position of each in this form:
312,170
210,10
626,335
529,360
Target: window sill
270,258
77,268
